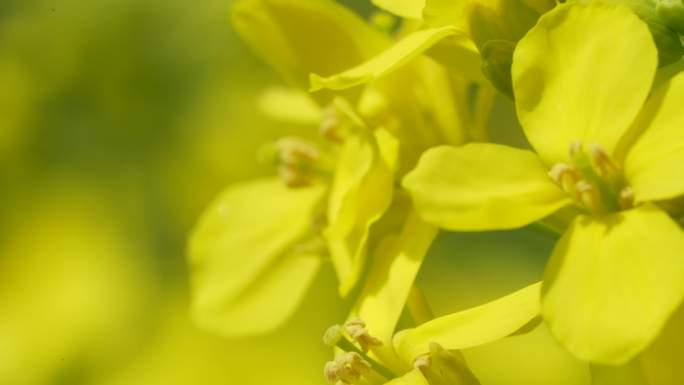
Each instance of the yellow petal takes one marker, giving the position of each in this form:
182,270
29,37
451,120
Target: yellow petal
486,20
654,164
662,362
411,9
247,275
533,358
290,105
390,279
297,37
612,282
361,192
482,186
472,327
396,56
570,79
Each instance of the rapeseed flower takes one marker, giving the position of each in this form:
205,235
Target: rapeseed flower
335,196
604,147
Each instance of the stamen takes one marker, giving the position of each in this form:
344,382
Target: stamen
293,177
347,368
588,195
443,367
575,149
297,159
295,151
356,329
331,126
607,168
422,362
333,335
627,198
566,177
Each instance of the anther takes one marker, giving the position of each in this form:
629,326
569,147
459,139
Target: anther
626,198
356,329
565,176
422,362
333,335
330,370
604,163
293,177
296,151
575,148
347,368
297,159
588,195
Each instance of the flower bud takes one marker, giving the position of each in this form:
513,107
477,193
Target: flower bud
497,58
671,12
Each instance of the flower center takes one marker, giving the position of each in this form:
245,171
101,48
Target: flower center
593,179
354,366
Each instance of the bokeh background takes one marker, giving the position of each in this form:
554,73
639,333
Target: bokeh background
119,121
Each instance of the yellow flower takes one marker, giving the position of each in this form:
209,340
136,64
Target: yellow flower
468,37
615,276
428,353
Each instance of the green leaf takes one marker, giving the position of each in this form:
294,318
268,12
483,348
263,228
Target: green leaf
482,186
472,327
570,79
248,274
612,283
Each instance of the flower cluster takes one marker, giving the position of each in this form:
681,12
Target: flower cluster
402,150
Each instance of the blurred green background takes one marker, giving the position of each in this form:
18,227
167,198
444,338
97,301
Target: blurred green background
119,121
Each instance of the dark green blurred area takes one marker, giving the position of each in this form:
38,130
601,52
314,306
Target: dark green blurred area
119,121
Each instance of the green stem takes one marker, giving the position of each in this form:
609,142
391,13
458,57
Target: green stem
347,346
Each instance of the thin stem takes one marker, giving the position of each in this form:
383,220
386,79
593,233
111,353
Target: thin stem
347,346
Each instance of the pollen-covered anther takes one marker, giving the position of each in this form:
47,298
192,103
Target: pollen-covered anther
422,362
347,368
293,176
565,176
297,159
588,195
333,335
295,151
604,163
331,126
356,329
575,148
626,198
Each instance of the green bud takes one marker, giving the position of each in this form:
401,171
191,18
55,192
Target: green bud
671,12
497,58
